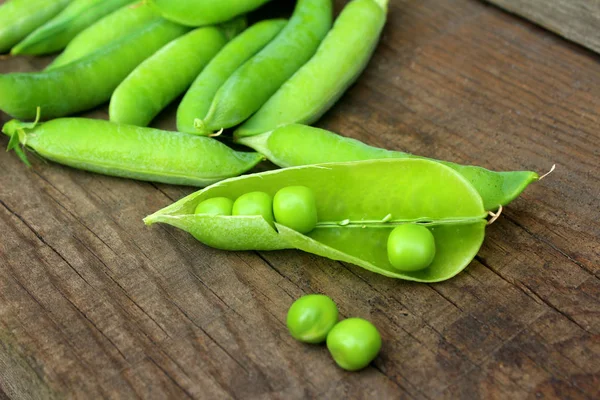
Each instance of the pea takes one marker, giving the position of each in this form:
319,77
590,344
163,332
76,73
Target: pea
311,317
296,208
215,206
411,247
254,203
354,343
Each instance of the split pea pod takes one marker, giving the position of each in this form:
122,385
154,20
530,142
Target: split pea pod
254,82
18,18
319,83
115,26
358,205
294,145
204,12
162,77
198,98
58,32
129,151
85,83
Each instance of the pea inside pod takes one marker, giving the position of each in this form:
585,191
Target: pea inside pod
358,206
295,144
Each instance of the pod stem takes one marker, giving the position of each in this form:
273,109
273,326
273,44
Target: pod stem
18,136
200,126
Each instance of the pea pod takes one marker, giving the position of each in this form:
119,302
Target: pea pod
254,82
162,77
296,144
85,83
58,32
198,98
319,83
126,20
358,204
130,151
18,18
204,12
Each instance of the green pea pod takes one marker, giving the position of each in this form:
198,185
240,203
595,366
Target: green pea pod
58,32
85,83
162,77
126,20
339,60
130,151
18,18
204,12
358,204
294,145
254,82
198,98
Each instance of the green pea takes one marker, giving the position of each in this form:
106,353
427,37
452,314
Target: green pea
251,85
354,343
115,26
18,18
296,208
159,79
204,12
316,86
215,206
294,145
130,151
311,317
411,247
84,83
254,203
58,32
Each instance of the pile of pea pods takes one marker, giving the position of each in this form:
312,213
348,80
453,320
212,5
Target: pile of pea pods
390,212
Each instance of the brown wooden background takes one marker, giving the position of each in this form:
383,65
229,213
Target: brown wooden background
95,304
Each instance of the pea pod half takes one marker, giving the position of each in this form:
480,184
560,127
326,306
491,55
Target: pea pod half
358,204
18,18
115,26
319,83
130,151
295,144
58,32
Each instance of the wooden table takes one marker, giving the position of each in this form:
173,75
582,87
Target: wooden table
95,304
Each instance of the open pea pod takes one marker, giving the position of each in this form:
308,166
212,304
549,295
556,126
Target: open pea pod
358,204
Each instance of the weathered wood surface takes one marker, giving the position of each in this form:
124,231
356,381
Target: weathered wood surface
95,304
577,20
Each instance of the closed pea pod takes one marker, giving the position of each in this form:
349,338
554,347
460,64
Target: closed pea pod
351,228
58,32
203,12
126,20
295,144
18,18
198,98
319,83
163,76
130,151
254,82
84,83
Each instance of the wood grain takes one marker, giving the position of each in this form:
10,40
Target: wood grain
93,304
576,20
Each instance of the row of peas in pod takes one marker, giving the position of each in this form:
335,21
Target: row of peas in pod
265,83
410,246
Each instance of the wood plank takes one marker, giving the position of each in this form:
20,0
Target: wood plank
576,20
95,304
